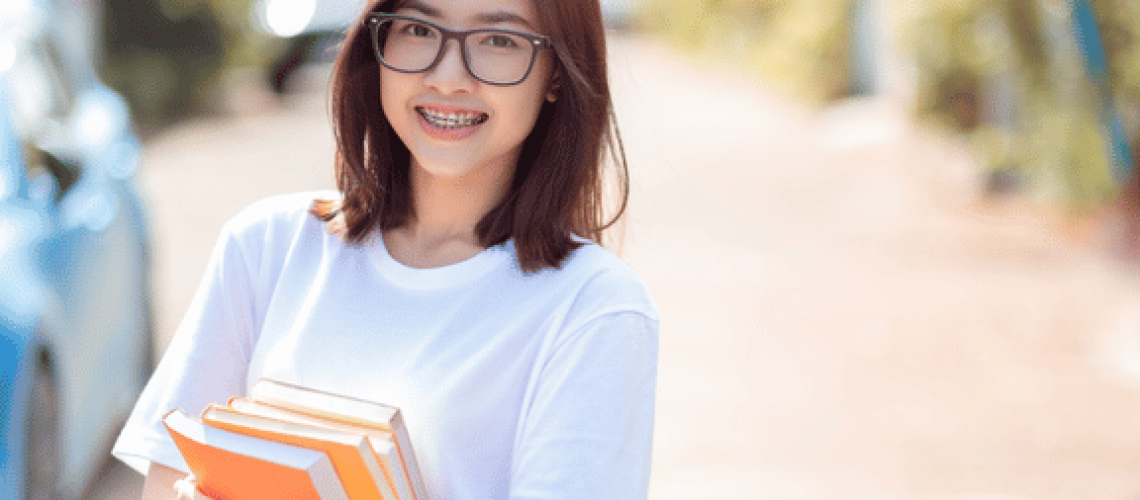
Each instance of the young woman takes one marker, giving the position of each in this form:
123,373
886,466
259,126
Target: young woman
455,274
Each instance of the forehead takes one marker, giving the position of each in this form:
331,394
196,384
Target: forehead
474,12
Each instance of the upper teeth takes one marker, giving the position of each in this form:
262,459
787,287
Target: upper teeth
451,119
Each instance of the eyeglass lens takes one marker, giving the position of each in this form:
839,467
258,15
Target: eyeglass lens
494,56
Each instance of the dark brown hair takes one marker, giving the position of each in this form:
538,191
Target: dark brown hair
557,190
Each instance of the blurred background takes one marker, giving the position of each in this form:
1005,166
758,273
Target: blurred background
894,244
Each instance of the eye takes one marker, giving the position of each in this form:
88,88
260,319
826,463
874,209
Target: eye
417,30
499,41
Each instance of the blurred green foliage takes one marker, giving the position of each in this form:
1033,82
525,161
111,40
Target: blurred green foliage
1009,75
169,58
1119,21
798,45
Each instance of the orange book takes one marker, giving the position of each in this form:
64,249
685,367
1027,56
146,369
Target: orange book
382,443
351,456
231,466
350,410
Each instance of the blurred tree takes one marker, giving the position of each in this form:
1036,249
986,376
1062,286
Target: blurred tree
161,55
169,57
1119,22
1015,78
1010,76
799,45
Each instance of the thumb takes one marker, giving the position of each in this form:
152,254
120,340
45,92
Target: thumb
187,489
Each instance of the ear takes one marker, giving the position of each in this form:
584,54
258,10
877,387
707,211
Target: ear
555,87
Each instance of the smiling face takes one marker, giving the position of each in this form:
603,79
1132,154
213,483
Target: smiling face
453,124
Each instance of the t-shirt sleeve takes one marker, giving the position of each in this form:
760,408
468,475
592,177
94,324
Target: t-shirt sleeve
588,431
206,361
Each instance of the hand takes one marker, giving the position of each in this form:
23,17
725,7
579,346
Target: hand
187,489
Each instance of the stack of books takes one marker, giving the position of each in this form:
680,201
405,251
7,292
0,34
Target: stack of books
288,441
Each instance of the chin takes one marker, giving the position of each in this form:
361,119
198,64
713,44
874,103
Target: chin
446,166
465,161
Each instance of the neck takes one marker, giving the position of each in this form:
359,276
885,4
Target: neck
446,210
451,207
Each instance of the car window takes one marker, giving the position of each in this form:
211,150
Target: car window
38,90
40,100
48,176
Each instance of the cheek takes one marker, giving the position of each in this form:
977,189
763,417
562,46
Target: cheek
532,98
523,112
391,98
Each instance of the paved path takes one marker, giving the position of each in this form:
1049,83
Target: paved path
842,318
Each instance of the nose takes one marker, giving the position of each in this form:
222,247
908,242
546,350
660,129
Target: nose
450,74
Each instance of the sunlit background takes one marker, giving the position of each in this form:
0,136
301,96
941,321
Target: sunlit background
894,243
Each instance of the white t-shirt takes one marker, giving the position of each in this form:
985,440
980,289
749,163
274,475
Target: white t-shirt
512,385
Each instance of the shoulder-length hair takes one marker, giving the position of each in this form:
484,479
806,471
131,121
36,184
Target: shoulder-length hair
556,197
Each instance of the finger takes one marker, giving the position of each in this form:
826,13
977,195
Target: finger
187,488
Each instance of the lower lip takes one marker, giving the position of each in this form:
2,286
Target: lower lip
447,133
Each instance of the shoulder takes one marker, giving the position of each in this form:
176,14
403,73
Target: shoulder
268,230
286,208
285,213
603,284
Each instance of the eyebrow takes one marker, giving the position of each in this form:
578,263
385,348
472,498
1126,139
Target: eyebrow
494,17
423,8
500,16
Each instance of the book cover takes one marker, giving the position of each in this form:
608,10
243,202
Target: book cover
231,466
351,456
380,441
347,409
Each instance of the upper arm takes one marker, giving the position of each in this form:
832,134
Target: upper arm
205,362
587,430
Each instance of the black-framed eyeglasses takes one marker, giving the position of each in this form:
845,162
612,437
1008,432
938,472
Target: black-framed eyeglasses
492,56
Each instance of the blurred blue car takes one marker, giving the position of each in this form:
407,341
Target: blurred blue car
75,312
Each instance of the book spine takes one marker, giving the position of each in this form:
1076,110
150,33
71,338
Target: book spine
400,431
